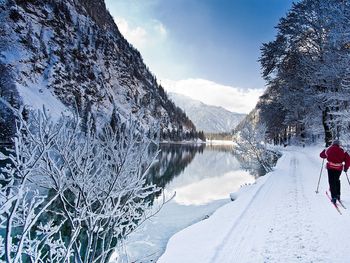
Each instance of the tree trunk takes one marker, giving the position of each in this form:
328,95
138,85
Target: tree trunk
326,127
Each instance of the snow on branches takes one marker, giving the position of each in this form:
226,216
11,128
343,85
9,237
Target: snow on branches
69,195
251,146
307,71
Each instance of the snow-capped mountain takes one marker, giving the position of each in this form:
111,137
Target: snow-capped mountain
210,119
63,53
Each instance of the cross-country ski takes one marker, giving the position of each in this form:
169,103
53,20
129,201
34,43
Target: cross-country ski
341,204
334,204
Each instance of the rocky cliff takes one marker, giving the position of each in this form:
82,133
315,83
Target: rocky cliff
70,53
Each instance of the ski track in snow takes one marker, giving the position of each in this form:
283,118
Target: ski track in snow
290,205
285,220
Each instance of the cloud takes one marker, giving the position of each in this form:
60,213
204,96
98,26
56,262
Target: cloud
135,35
231,98
160,28
148,35
152,37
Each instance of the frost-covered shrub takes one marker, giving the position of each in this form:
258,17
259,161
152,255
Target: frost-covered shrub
252,148
69,195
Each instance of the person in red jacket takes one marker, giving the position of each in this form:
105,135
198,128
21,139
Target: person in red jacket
336,156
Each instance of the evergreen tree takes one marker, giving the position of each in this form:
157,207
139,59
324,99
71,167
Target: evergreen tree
306,67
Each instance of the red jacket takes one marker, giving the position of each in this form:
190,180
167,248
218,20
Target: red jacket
336,156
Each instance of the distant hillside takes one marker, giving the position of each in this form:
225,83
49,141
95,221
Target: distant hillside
210,119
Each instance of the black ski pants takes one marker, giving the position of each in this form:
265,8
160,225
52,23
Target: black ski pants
334,182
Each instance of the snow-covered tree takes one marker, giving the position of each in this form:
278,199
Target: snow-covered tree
251,146
307,64
69,195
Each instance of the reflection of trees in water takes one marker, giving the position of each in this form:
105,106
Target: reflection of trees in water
172,161
219,148
248,164
252,165
174,158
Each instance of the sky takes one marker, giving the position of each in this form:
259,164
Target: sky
195,42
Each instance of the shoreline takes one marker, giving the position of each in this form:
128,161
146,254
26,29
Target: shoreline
200,142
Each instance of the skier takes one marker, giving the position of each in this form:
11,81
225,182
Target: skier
336,156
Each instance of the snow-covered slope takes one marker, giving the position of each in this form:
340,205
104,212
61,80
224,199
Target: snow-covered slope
207,118
67,53
278,219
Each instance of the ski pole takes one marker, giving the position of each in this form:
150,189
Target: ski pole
347,177
319,178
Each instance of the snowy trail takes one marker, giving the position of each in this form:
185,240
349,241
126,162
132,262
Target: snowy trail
279,219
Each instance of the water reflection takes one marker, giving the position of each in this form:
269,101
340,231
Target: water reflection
212,175
210,189
202,177
172,160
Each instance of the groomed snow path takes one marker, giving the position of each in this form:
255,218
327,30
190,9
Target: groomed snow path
278,219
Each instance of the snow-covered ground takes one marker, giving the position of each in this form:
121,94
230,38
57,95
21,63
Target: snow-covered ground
280,218
201,188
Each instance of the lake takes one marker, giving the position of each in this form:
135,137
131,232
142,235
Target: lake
202,178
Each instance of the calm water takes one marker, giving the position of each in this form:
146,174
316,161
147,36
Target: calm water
202,179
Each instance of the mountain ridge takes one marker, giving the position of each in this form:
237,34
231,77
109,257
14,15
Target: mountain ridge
210,119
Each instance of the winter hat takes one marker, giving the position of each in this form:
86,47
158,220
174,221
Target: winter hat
336,142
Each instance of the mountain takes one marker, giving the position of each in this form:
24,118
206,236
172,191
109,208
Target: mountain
210,119
70,54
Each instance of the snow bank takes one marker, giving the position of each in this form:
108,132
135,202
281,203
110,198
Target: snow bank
280,218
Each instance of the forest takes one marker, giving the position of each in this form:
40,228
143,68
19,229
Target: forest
306,68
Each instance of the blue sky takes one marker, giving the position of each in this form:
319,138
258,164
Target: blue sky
214,40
